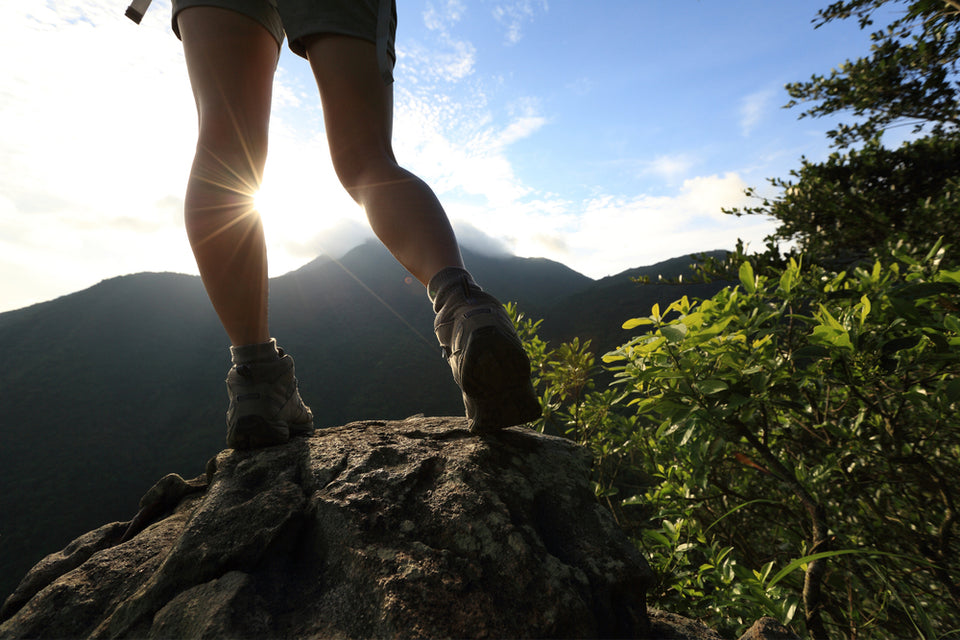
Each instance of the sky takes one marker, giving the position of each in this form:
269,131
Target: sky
603,134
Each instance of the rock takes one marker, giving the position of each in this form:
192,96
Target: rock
670,626
769,629
409,528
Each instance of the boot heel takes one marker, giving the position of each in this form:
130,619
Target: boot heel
508,407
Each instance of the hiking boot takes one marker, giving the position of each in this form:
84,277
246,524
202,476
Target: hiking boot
265,405
485,354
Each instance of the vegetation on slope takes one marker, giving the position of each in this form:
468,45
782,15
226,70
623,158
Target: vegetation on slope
790,446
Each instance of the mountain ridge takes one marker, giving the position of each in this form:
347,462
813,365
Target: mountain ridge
113,386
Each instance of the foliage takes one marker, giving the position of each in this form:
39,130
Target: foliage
789,445
571,407
908,78
854,204
834,396
866,196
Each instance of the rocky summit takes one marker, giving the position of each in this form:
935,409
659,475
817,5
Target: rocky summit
413,529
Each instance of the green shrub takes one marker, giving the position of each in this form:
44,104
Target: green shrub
788,447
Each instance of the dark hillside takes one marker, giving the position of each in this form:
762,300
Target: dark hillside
598,312
107,389
111,387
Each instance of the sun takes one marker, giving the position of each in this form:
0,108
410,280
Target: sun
281,210
294,214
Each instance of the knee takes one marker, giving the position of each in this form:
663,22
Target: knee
228,149
360,169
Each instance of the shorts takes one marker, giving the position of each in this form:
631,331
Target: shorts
371,20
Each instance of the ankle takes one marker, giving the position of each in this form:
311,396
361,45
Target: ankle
449,282
255,353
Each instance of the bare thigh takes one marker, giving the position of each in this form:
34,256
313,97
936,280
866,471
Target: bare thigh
231,60
357,106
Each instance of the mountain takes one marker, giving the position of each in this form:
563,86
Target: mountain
597,312
107,389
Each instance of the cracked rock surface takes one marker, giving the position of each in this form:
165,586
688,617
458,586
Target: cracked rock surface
411,528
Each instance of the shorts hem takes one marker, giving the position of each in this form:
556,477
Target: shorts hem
258,10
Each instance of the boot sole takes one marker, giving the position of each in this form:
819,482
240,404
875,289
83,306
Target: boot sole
253,432
497,392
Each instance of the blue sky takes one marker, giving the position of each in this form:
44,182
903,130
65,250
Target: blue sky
604,135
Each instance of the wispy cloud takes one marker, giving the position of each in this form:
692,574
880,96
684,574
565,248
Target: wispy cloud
514,15
441,15
753,108
447,58
609,233
670,167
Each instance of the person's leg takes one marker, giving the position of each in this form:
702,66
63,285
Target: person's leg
358,114
486,356
231,60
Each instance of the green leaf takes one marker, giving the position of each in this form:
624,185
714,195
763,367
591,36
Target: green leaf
831,336
830,320
805,560
712,386
952,323
864,309
666,429
935,249
949,276
657,537
952,390
633,323
747,279
787,278
674,332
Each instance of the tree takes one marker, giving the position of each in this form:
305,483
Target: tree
908,79
792,444
854,206
866,197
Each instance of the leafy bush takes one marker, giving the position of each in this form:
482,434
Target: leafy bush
790,444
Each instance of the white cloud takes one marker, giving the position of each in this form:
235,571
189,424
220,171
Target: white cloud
513,15
96,146
608,234
87,158
753,108
458,147
440,16
618,232
670,167
447,61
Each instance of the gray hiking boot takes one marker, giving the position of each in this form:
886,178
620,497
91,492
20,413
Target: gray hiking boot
265,405
484,353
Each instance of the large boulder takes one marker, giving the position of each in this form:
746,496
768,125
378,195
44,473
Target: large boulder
412,528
